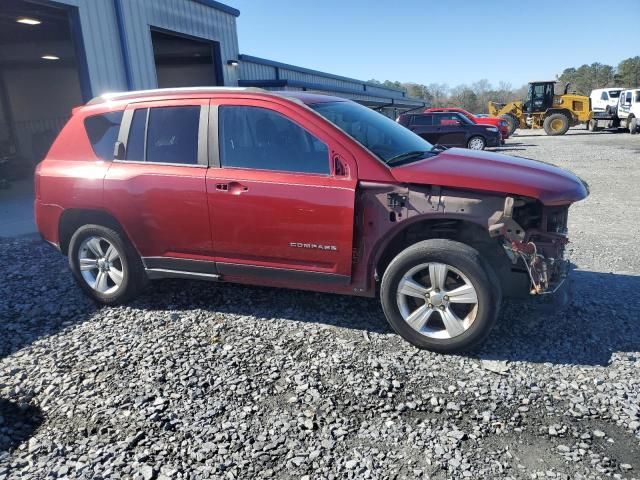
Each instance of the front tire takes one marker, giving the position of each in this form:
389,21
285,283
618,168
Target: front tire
476,143
105,265
556,124
440,295
633,126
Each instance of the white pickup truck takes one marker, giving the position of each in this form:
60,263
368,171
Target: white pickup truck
620,109
629,109
604,99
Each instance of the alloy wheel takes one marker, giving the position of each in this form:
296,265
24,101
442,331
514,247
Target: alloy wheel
101,265
437,300
476,143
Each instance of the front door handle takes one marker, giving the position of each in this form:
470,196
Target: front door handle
234,188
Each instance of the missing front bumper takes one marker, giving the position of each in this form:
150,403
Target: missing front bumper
547,274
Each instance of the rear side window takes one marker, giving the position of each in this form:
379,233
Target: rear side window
604,96
172,135
164,135
422,120
254,137
102,131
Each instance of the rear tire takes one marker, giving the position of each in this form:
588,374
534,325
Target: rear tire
512,122
476,143
633,126
105,265
422,282
556,124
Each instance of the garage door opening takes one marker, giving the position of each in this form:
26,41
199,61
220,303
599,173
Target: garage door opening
185,62
39,81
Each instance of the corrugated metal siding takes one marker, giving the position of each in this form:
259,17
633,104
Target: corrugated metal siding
256,71
318,79
101,43
103,46
384,91
181,16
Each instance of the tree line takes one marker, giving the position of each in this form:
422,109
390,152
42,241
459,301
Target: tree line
474,97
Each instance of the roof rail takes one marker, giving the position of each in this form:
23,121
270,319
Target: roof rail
128,95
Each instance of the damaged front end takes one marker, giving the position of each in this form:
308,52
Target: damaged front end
537,236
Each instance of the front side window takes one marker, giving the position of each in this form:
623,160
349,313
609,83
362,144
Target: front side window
637,100
102,131
385,138
628,99
614,93
258,138
164,135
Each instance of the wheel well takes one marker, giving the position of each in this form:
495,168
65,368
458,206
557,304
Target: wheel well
72,219
461,231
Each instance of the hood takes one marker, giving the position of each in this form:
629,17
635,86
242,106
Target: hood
494,172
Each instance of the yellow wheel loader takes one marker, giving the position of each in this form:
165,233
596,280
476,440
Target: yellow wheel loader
544,109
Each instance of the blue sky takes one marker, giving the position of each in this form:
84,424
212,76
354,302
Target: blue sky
440,41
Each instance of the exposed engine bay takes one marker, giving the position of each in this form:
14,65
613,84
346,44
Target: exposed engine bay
537,236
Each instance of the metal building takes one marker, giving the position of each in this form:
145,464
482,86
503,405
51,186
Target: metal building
260,72
56,54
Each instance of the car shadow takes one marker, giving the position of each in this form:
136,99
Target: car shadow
19,423
587,331
601,319
265,302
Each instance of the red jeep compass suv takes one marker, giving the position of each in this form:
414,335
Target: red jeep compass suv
303,191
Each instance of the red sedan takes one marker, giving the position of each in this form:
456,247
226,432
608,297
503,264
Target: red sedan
493,121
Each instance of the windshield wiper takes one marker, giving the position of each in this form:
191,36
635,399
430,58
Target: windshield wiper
439,148
407,156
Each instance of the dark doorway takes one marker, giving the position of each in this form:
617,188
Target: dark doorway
39,81
185,62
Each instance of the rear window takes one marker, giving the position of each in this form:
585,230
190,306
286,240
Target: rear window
102,131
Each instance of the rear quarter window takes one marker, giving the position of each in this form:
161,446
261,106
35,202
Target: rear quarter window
102,131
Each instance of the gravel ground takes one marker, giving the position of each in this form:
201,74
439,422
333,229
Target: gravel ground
199,380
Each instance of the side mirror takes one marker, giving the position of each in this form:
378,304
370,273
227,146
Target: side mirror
119,151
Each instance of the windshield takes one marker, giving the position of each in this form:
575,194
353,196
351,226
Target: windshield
387,139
